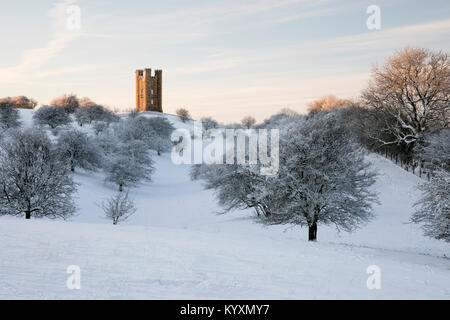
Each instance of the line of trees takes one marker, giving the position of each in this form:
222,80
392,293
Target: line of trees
404,112
20,102
36,174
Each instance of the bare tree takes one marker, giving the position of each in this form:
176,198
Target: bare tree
209,123
69,102
33,179
86,102
248,122
328,102
20,102
411,91
183,114
119,208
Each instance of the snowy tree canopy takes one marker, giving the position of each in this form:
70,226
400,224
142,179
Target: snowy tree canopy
79,150
33,179
128,164
52,116
90,113
435,150
433,208
323,178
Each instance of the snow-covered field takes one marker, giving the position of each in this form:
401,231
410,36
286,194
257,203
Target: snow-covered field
177,246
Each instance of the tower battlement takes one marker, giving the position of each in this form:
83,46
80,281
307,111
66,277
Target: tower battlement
148,90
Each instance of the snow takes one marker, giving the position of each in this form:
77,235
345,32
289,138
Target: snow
178,246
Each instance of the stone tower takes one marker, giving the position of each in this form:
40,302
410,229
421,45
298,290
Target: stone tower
148,90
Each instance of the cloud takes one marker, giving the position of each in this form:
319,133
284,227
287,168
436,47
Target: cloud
197,22
33,59
213,62
385,39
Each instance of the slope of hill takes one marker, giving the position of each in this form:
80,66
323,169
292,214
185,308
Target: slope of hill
178,246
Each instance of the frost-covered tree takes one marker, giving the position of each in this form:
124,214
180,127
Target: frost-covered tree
52,116
154,132
129,164
435,150
323,176
99,126
183,114
160,144
34,181
79,150
124,171
238,187
138,128
433,208
119,208
136,150
88,114
280,119
9,116
81,116
161,126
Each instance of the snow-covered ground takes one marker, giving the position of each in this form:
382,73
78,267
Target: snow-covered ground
177,246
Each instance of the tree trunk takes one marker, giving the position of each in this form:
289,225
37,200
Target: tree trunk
27,214
312,230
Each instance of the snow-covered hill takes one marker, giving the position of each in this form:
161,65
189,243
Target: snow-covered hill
178,246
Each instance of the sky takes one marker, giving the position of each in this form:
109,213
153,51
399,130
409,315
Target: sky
226,59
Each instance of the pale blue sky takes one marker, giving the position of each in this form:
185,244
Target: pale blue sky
226,59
